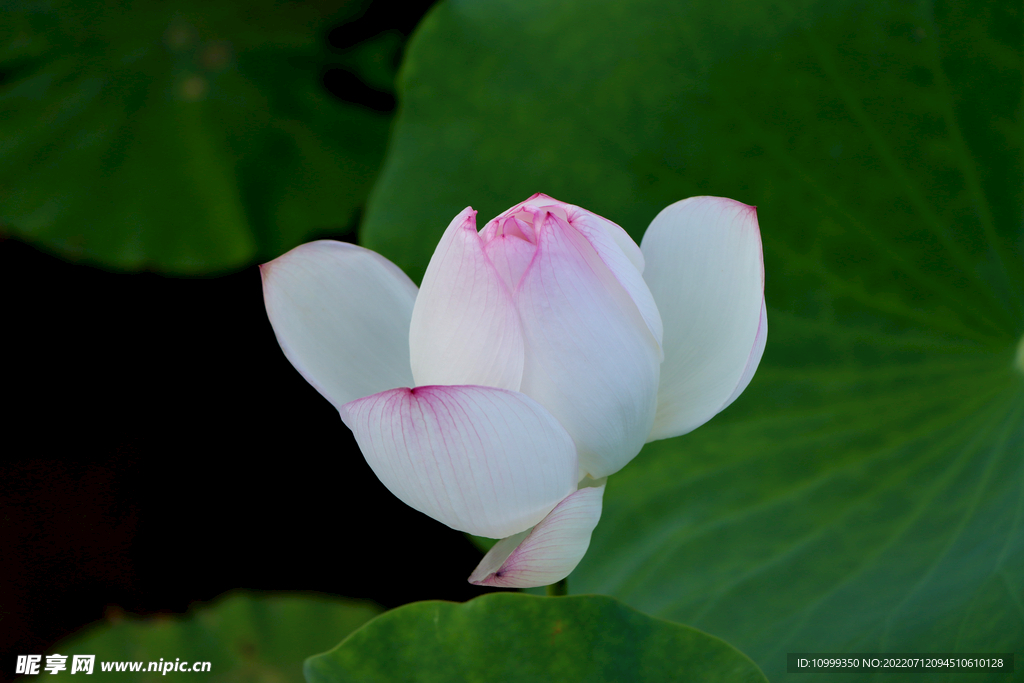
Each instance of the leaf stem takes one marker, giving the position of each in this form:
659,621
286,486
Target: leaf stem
558,588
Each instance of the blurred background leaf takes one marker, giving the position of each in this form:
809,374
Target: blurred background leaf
867,491
186,137
510,638
246,637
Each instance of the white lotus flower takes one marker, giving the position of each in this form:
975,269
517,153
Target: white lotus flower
537,358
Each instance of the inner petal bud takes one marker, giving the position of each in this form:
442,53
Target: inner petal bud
520,225
511,257
555,211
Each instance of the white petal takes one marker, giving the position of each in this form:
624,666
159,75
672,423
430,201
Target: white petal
341,314
590,358
486,461
621,238
464,327
608,240
547,553
754,359
705,269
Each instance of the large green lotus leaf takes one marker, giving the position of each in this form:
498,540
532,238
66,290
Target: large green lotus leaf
866,493
184,137
510,638
246,638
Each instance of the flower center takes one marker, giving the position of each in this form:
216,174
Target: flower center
519,225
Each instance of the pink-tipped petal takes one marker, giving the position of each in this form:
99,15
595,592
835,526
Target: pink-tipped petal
547,553
465,329
705,269
537,201
613,245
591,359
341,314
486,461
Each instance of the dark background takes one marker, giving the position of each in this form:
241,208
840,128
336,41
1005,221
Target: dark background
160,450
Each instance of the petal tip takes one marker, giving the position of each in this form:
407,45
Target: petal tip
268,267
485,581
465,220
267,271
346,416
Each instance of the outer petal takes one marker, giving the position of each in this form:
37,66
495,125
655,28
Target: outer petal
464,327
621,238
705,269
590,358
611,243
548,552
486,461
341,314
754,359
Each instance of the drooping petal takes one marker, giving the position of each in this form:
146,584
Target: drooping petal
705,269
486,461
550,551
464,327
590,357
341,314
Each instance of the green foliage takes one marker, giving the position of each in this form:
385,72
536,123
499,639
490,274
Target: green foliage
867,491
245,637
510,638
185,137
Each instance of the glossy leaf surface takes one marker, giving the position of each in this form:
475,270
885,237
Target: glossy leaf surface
245,637
181,137
512,638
